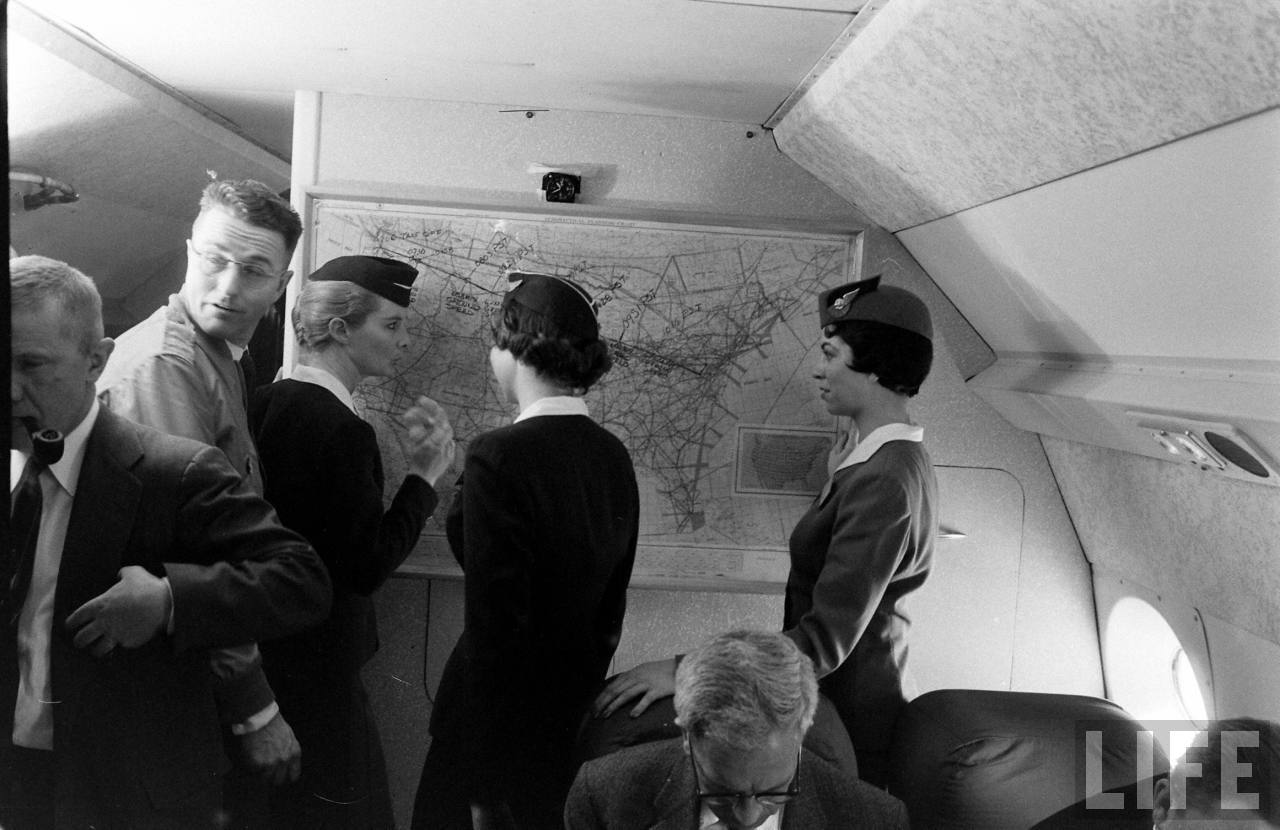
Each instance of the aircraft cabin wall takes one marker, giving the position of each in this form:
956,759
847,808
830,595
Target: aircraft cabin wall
1179,251
1009,606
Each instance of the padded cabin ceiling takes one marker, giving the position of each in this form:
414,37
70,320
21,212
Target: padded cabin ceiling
939,106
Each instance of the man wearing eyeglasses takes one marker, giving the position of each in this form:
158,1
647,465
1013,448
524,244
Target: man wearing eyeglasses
182,371
744,702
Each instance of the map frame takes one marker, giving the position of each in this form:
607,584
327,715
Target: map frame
661,561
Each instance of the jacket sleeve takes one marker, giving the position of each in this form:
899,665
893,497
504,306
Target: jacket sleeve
869,539
498,562
243,577
364,545
615,598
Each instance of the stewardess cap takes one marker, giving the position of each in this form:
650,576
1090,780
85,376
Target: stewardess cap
870,301
388,278
560,300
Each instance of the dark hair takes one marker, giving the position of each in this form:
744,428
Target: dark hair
899,359
535,340
1205,789
257,204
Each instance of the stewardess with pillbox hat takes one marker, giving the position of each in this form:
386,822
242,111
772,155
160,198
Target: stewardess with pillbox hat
544,524
867,539
324,476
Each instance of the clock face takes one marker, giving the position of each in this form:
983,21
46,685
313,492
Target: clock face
560,187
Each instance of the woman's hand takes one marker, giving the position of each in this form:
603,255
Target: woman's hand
429,443
648,681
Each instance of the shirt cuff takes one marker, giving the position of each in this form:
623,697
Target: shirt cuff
168,625
256,722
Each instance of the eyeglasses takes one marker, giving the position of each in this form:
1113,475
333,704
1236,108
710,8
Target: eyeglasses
769,800
212,263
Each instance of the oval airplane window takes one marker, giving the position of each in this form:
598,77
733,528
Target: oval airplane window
1188,687
1149,672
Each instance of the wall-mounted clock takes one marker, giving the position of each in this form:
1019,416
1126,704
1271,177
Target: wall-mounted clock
560,187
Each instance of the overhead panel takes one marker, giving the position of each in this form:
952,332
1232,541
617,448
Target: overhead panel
939,106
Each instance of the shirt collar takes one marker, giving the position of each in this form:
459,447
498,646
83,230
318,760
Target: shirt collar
236,351
67,469
877,438
707,820
555,405
324,378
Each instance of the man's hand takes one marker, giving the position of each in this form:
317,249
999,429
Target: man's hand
648,681
128,613
273,750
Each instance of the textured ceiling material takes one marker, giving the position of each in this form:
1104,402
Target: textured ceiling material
941,106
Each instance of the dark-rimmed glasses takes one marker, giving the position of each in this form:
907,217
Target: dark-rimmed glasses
212,263
769,800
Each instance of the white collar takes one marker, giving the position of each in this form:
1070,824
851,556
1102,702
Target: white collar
67,469
554,405
325,378
707,820
877,438
237,352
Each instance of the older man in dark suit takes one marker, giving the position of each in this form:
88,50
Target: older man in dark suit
132,553
744,701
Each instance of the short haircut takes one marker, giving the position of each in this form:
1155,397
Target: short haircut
320,302
742,686
37,280
535,340
255,203
1235,736
899,359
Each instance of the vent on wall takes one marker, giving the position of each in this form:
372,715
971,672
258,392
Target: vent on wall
1218,416
1211,446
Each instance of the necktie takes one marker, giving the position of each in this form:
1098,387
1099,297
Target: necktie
247,375
24,526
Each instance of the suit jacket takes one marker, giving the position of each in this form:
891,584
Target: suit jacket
168,374
137,731
651,787
545,527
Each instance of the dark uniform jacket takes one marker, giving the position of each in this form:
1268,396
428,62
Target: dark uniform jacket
324,476
544,526
855,556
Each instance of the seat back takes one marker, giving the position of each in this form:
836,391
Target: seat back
992,760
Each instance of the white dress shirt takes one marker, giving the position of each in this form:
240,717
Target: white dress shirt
33,712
